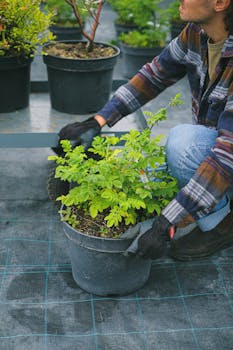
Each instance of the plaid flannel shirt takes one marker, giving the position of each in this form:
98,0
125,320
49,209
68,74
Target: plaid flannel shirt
212,106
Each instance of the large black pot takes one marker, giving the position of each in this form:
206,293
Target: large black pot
14,83
123,28
80,86
99,265
135,57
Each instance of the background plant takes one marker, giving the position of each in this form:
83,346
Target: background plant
137,12
146,38
64,14
127,184
171,13
152,29
23,27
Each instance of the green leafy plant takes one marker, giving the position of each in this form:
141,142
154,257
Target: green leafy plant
170,16
126,184
146,38
137,12
23,27
151,30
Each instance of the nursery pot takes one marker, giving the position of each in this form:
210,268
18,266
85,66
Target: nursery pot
123,28
80,86
135,57
66,33
14,83
99,266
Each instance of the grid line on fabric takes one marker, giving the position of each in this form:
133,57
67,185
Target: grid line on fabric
5,270
219,269
142,321
138,299
6,263
186,310
46,290
93,321
73,335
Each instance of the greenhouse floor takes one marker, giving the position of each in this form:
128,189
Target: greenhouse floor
183,306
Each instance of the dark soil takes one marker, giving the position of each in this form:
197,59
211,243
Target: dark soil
97,227
79,50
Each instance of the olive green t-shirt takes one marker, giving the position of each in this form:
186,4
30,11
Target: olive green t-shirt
214,54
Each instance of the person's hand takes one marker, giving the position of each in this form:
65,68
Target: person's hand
79,133
150,243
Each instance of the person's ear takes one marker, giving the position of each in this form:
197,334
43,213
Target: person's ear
222,5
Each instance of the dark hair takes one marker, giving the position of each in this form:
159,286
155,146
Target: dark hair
229,18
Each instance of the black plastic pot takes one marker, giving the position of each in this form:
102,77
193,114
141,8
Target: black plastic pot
66,33
135,57
123,28
80,86
14,83
99,266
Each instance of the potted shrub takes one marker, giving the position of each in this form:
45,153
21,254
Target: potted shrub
141,46
65,26
109,194
132,15
80,72
23,27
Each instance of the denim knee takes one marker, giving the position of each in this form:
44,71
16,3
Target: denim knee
176,144
186,148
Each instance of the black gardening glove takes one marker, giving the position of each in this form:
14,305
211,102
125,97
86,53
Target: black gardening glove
152,243
79,133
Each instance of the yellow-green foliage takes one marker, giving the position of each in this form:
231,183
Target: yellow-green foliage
147,38
137,12
23,26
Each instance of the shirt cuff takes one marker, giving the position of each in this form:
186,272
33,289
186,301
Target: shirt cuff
111,112
177,215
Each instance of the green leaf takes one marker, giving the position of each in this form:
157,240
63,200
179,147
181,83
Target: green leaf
93,211
143,193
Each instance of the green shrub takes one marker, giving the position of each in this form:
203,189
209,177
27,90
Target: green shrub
147,38
136,12
23,26
126,184
172,12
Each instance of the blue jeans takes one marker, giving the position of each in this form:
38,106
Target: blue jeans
187,146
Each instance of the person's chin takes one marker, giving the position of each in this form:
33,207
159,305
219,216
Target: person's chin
183,17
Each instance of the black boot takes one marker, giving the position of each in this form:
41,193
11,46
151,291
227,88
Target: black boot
199,244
